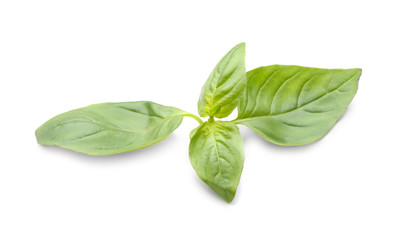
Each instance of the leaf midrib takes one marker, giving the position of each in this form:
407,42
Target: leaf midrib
105,125
217,154
294,109
211,105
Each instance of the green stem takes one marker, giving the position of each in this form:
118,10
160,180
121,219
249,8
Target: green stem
193,117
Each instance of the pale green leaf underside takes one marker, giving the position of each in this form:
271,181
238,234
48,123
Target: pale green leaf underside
110,128
216,153
292,105
222,91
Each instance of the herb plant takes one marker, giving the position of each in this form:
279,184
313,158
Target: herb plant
285,104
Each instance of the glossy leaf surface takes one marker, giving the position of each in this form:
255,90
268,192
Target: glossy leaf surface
216,153
110,128
222,91
292,105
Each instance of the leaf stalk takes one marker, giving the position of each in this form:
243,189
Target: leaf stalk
195,117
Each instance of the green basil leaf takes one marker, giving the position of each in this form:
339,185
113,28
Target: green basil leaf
216,153
222,91
110,128
293,105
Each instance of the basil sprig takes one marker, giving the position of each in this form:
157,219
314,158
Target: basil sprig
285,104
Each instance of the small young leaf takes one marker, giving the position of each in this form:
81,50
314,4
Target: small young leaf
110,128
216,153
222,91
293,105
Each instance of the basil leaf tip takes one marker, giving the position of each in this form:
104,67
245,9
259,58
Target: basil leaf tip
287,105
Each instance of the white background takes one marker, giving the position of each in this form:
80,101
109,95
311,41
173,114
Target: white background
355,183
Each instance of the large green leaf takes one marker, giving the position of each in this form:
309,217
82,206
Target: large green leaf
293,105
109,128
222,91
216,153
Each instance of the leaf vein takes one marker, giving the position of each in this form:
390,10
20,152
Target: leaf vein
260,89
240,120
217,155
277,91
